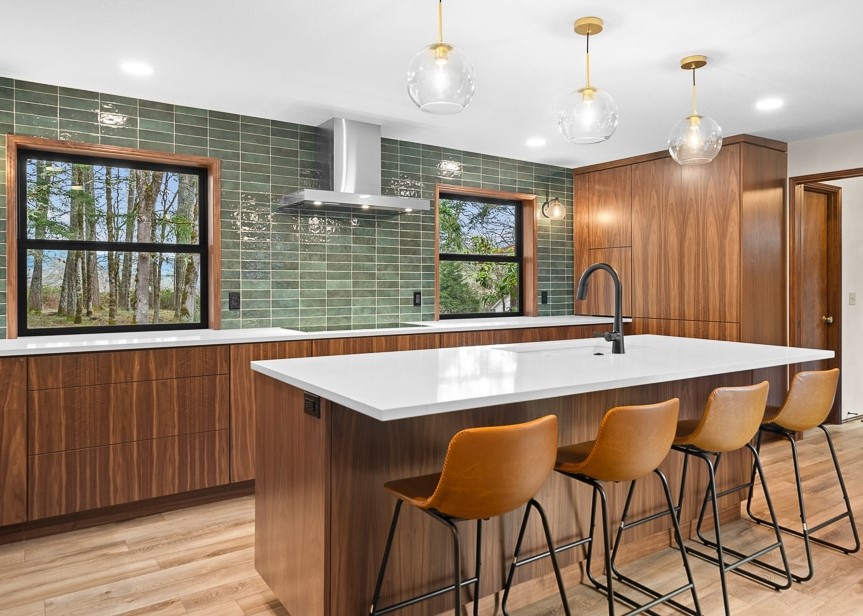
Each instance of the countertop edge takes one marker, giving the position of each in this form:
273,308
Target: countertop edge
793,355
88,343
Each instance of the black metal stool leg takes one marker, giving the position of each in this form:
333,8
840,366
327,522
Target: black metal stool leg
807,533
478,567
845,497
386,558
456,544
722,550
551,552
658,598
608,587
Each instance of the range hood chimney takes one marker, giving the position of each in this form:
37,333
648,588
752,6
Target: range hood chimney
349,158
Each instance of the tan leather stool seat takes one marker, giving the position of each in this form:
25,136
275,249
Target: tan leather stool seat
631,443
487,471
731,418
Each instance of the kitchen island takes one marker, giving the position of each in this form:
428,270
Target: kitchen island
332,430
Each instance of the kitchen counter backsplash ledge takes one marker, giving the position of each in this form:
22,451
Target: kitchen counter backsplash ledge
80,343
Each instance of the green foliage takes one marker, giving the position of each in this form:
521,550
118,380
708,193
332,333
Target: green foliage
475,285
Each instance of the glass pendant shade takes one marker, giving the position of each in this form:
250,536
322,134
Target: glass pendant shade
441,79
695,140
588,115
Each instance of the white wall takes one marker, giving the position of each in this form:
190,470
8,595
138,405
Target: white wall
835,153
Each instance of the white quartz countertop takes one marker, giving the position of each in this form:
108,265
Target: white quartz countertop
79,343
397,385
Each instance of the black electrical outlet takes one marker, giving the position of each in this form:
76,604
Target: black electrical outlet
543,297
418,298
233,300
312,404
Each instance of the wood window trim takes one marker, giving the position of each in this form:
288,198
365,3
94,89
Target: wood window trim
212,166
528,239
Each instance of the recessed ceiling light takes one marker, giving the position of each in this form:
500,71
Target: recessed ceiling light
769,104
317,202
535,142
365,207
139,69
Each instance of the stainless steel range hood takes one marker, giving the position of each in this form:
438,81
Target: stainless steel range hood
349,158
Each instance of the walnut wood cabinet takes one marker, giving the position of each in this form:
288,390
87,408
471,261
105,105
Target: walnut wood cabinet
83,431
115,427
13,440
700,249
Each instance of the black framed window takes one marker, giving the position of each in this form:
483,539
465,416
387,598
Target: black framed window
480,257
110,245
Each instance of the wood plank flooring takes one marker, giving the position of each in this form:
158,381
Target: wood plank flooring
200,560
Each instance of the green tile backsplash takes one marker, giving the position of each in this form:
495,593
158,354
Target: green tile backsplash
321,268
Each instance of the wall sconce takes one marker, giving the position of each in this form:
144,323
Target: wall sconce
554,209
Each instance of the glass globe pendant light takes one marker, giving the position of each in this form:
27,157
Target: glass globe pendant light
441,78
696,139
588,115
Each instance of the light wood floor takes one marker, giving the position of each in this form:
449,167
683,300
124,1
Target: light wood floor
200,560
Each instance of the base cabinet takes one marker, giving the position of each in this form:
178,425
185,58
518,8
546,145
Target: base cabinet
84,431
117,427
13,440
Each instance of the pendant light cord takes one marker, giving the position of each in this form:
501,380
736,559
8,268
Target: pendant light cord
694,112
587,59
440,21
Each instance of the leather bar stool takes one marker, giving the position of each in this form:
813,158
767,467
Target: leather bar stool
487,472
807,406
730,420
631,443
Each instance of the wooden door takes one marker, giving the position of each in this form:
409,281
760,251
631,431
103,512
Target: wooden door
816,315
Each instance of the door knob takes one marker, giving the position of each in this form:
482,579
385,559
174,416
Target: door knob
827,320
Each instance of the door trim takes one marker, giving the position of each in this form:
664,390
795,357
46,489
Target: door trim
795,200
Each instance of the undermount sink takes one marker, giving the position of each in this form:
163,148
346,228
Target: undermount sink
579,347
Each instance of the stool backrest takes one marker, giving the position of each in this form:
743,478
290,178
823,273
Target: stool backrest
632,441
809,400
731,417
492,470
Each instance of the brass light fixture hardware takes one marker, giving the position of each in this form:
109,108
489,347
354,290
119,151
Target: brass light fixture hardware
588,115
441,77
696,139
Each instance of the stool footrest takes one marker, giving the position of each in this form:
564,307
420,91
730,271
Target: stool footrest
650,518
547,553
743,559
658,598
817,527
419,598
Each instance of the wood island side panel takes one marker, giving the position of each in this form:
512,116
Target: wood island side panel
292,498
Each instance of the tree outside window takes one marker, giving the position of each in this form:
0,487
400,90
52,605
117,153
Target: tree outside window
480,256
109,245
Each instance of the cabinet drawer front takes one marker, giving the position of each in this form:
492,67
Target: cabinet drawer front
72,481
77,417
77,369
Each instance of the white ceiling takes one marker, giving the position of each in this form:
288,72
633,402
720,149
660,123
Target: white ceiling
308,61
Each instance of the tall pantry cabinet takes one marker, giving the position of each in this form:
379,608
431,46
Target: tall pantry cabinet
700,249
